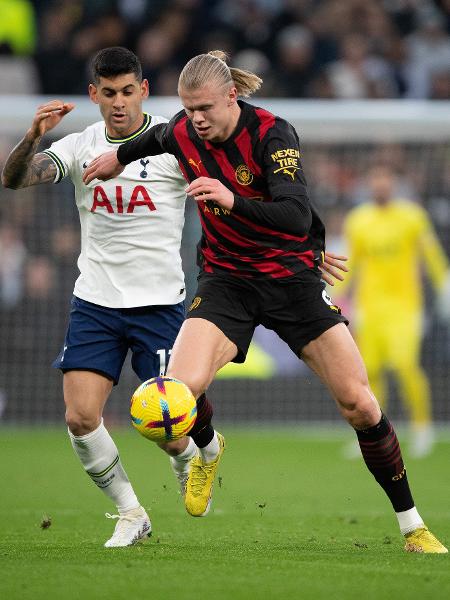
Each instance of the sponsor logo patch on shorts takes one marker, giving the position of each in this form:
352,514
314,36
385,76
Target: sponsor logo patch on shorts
195,303
329,301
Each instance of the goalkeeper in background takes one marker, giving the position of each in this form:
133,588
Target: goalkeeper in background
388,241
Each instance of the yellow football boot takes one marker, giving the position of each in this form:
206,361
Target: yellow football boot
200,483
422,540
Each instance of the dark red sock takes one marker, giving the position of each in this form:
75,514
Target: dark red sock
382,455
203,431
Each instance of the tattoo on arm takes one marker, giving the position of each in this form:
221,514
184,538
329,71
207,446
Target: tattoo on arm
42,170
24,168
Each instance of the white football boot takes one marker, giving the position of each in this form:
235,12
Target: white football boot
131,527
181,472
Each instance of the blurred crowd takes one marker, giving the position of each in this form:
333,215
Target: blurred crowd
302,48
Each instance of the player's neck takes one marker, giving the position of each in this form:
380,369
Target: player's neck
122,133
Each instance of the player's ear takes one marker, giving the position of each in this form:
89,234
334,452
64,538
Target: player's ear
144,88
93,93
232,96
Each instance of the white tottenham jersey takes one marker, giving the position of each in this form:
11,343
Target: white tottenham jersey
130,226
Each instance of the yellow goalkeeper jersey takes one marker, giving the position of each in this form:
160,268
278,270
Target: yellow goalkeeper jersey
387,246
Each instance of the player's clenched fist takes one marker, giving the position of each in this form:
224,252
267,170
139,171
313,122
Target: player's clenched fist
205,188
103,167
47,116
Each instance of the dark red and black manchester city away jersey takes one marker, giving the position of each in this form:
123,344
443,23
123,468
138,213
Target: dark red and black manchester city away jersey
260,162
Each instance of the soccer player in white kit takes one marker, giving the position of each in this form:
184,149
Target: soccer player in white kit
130,291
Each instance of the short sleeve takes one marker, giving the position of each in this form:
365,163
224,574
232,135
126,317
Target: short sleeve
282,160
62,152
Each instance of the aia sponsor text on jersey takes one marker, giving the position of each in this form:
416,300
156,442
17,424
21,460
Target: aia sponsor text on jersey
117,203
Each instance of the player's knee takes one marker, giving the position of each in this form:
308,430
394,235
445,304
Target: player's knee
359,406
196,382
81,423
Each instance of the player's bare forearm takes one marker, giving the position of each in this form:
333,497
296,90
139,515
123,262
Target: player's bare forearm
24,167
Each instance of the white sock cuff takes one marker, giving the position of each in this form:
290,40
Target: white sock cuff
211,450
188,452
409,520
88,436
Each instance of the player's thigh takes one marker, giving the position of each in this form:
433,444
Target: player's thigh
334,356
200,350
229,303
151,333
218,329
301,311
95,340
85,395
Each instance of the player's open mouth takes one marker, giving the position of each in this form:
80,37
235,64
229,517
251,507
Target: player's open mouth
118,116
202,130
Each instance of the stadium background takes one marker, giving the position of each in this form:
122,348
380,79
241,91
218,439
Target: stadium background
362,81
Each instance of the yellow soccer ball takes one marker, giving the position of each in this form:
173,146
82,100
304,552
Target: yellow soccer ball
163,409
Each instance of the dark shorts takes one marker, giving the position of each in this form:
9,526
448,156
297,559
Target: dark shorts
297,310
98,338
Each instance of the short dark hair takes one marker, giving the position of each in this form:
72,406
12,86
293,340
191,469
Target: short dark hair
111,62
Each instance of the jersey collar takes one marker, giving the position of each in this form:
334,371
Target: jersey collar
145,125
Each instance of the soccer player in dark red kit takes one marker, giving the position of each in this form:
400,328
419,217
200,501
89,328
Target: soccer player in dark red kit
262,250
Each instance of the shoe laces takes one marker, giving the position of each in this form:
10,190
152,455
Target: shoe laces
182,480
123,520
417,533
199,476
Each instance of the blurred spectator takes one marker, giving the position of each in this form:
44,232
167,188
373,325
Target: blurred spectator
257,62
389,240
428,53
359,73
440,85
12,258
295,67
156,49
59,70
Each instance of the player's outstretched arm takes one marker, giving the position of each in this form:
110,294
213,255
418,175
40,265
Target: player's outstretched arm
104,167
111,164
23,166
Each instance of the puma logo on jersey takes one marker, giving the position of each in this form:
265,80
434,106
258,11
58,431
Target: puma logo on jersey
192,162
287,161
287,171
144,163
85,165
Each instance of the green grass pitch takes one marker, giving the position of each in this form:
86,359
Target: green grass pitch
290,519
